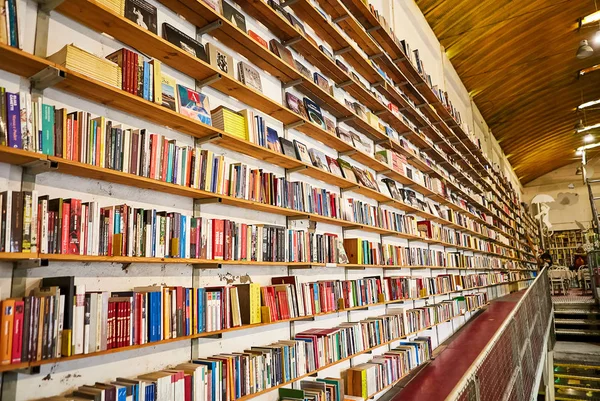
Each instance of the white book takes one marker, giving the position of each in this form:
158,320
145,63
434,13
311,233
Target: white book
188,239
173,313
7,247
126,149
93,319
130,232
97,344
144,327
78,319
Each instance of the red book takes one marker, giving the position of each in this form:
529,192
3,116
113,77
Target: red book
244,253
188,168
74,225
165,159
66,214
84,221
153,152
132,66
137,314
69,137
218,238
17,344
188,387
227,251
257,38
128,325
126,70
75,138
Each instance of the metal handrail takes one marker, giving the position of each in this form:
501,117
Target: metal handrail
462,384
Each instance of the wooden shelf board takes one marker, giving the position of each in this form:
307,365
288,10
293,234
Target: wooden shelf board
18,157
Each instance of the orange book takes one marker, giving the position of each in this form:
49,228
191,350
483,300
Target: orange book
7,321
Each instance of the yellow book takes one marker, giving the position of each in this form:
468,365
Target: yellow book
166,313
255,289
66,342
156,70
209,170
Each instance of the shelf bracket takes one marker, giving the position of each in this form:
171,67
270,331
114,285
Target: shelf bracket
373,28
30,263
208,139
39,166
419,84
340,19
401,58
49,5
376,56
420,106
209,28
352,188
380,112
207,266
344,84
208,81
207,201
292,41
213,336
288,3
46,78
348,152
385,171
293,83
389,202
295,169
346,228
346,119
381,141
356,267
378,84
294,124
342,51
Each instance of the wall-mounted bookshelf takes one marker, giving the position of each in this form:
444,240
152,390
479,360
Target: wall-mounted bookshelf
461,236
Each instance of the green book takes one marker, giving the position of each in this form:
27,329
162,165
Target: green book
291,394
48,129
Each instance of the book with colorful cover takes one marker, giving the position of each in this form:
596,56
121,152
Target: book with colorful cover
194,104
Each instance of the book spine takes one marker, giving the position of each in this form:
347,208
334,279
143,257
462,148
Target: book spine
13,120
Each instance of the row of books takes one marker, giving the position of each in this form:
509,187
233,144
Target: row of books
367,379
419,319
70,226
10,33
484,279
229,376
474,301
325,389
32,223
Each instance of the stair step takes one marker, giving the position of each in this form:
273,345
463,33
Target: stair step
588,322
581,372
575,395
576,311
575,384
580,332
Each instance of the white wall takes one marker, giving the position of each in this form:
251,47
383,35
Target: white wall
570,203
61,378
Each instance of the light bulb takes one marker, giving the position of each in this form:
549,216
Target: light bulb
578,153
588,138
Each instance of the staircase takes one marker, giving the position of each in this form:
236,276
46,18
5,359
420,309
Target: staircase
576,382
577,322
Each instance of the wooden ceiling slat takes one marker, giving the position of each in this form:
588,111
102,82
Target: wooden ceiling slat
517,59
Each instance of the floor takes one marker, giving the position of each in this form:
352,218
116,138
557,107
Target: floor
577,352
437,380
574,296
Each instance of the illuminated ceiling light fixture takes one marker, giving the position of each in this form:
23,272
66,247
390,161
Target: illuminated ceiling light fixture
588,138
579,126
578,152
588,104
584,50
589,127
591,18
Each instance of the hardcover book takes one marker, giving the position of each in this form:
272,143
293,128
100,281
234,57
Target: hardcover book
249,76
258,38
281,51
287,147
326,52
302,152
234,16
392,188
362,144
314,112
297,24
318,159
305,72
273,140
347,170
329,125
142,13
194,104
219,59
295,105
184,42
322,82
334,167
344,136
343,66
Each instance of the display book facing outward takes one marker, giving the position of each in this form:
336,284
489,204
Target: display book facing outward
168,235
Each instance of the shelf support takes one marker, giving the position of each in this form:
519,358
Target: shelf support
30,263
379,112
206,266
293,83
373,28
378,84
348,152
288,3
292,41
346,228
294,124
46,78
208,81
48,5
352,188
209,28
376,56
208,139
340,19
346,119
344,84
342,51
400,59
381,141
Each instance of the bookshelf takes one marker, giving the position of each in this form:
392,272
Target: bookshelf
445,152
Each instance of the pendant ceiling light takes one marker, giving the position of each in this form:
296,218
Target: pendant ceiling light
585,50
579,126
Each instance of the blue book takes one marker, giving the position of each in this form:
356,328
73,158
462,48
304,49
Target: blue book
151,392
146,89
286,363
215,174
201,310
13,120
150,305
121,393
13,34
170,159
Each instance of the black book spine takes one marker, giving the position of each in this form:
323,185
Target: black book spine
26,329
16,229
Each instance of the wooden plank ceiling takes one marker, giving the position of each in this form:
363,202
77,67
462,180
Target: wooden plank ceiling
517,59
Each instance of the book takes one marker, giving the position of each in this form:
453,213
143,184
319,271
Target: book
334,167
281,51
392,188
362,144
220,60
314,112
230,121
249,76
302,152
194,104
347,170
295,105
342,66
184,42
142,13
83,62
13,121
305,72
259,39
326,52
322,82
287,147
318,159
168,92
297,24
234,16
345,136
273,140
330,125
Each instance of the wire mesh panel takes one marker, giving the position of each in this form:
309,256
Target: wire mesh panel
506,370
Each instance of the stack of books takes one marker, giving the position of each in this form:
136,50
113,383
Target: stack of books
85,63
230,121
116,6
